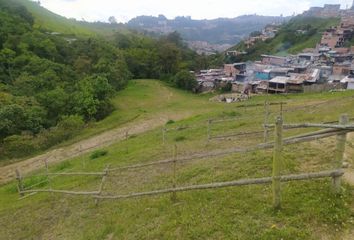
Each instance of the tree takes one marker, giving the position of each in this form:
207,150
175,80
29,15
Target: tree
7,57
112,20
185,80
91,96
55,102
169,55
115,70
13,118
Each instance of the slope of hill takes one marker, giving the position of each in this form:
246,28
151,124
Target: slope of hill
217,31
299,33
51,82
46,19
310,210
43,73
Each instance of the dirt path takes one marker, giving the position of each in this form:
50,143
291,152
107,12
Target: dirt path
349,156
349,178
7,173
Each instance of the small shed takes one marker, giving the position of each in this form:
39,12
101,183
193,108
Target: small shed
278,85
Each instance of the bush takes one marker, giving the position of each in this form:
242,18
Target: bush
185,80
226,88
17,146
170,122
66,128
98,154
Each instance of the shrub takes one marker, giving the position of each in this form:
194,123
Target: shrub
98,154
17,146
180,138
66,128
185,80
226,88
170,122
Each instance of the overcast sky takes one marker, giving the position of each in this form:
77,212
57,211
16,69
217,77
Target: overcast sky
124,10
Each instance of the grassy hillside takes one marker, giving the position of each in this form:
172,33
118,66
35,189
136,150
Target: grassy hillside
46,19
310,210
47,79
288,40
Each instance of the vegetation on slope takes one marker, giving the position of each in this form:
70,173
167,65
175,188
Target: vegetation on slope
215,31
51,84
310,210
45,19
288,40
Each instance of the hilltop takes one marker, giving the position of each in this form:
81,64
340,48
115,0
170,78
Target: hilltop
46,19
299,33
217,34
55,78
221,32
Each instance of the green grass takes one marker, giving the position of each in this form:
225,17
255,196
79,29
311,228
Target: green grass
46,19
144,100
309,209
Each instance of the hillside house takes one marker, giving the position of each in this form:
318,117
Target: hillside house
311,57
278,85
235,53
232,70
329,10
286,85
341,69
274,60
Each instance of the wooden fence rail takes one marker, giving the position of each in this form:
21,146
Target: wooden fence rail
287,141
60,191
328,130
242,182
315,125
76,174
237,135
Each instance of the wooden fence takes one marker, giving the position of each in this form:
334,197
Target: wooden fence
340,130
267,114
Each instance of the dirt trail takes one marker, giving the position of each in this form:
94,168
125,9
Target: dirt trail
7,173
349,178
349,156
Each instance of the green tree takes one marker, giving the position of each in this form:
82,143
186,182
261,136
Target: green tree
92,95
185,80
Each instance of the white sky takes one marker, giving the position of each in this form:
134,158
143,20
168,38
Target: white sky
124,10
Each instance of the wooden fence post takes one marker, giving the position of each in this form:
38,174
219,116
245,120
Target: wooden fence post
339,153
103,180
281,109
174,184
19,178
277,162
266,116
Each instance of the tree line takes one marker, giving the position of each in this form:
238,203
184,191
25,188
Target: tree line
51,84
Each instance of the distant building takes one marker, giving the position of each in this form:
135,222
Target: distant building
273,60
329,10
235,53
